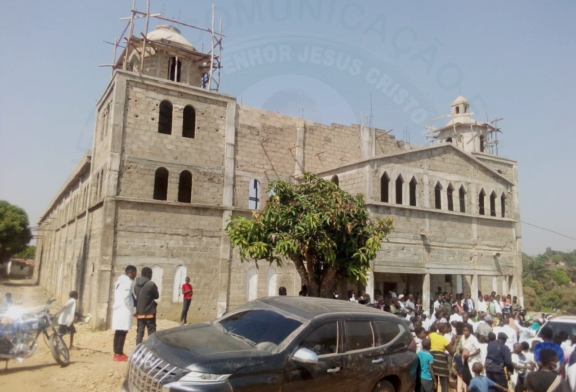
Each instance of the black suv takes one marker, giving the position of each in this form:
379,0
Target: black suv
288,344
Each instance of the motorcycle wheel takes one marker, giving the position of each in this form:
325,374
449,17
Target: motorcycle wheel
59,350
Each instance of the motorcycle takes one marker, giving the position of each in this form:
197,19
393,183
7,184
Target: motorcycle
20,330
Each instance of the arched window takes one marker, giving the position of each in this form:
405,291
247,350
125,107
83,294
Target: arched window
481,202
449,140
179,279
185,187
165,118
252,284
254,195
493,203
482,143
457,110
503,205
450,194
335,180
462,197
189,122
157,275
438,196
399,185
385,188
161,184
174,69
413,184
271,278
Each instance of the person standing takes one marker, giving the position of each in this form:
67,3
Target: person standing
122,311
498,359
187,291
66,320
427,376
439,345
546,379
469,303
547,343
146,293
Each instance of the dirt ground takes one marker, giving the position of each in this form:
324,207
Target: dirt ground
91,367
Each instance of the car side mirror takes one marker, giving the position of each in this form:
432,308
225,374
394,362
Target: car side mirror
304,355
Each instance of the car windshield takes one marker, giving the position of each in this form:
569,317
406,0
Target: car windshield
557,327
264,329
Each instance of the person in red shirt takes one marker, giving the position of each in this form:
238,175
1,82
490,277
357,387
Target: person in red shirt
187,292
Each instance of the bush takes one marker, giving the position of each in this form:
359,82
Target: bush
531,301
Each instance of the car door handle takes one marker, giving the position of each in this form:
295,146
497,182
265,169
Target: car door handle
379,360
334,370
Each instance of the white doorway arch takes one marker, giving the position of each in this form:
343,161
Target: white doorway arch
179,279
271,281
157,275
252,284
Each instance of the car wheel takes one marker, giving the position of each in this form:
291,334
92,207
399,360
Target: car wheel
384,386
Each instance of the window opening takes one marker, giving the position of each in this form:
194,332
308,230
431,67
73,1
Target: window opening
254,195
457,110
189,122
386,332
462,197
179,279
493,204
185,187
413,184
161,184
165,118
335,180
359,335
323,340
174,69
399,184
450,194
481,202
503,205
482,142
385,188
438,196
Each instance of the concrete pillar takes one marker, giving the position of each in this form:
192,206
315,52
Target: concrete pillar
370,284
495,284
299,151
458,283
426,292
474,289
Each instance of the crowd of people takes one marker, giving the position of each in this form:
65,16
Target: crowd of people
482,344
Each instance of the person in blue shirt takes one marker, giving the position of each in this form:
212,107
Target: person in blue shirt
481,383
427,376
547,335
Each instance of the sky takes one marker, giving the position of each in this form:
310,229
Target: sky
394,65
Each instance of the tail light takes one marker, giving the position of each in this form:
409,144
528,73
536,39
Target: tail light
412,346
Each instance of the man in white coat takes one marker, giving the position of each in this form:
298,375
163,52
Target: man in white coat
122,311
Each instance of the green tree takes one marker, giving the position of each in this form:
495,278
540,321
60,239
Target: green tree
560,277
27,253
14,231
325,231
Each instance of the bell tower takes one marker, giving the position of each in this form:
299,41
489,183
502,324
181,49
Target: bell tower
464,132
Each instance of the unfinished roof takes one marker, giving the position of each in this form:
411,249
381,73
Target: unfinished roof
169,34
460,100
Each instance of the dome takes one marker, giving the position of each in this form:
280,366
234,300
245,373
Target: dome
460,100
169,33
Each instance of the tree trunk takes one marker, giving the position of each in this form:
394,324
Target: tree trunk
328,282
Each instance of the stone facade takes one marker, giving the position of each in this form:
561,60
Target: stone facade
109,214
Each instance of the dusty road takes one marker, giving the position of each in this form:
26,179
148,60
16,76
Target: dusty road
91,367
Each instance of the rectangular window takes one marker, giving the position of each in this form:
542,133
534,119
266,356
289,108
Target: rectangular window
323,340
385,332
359,335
